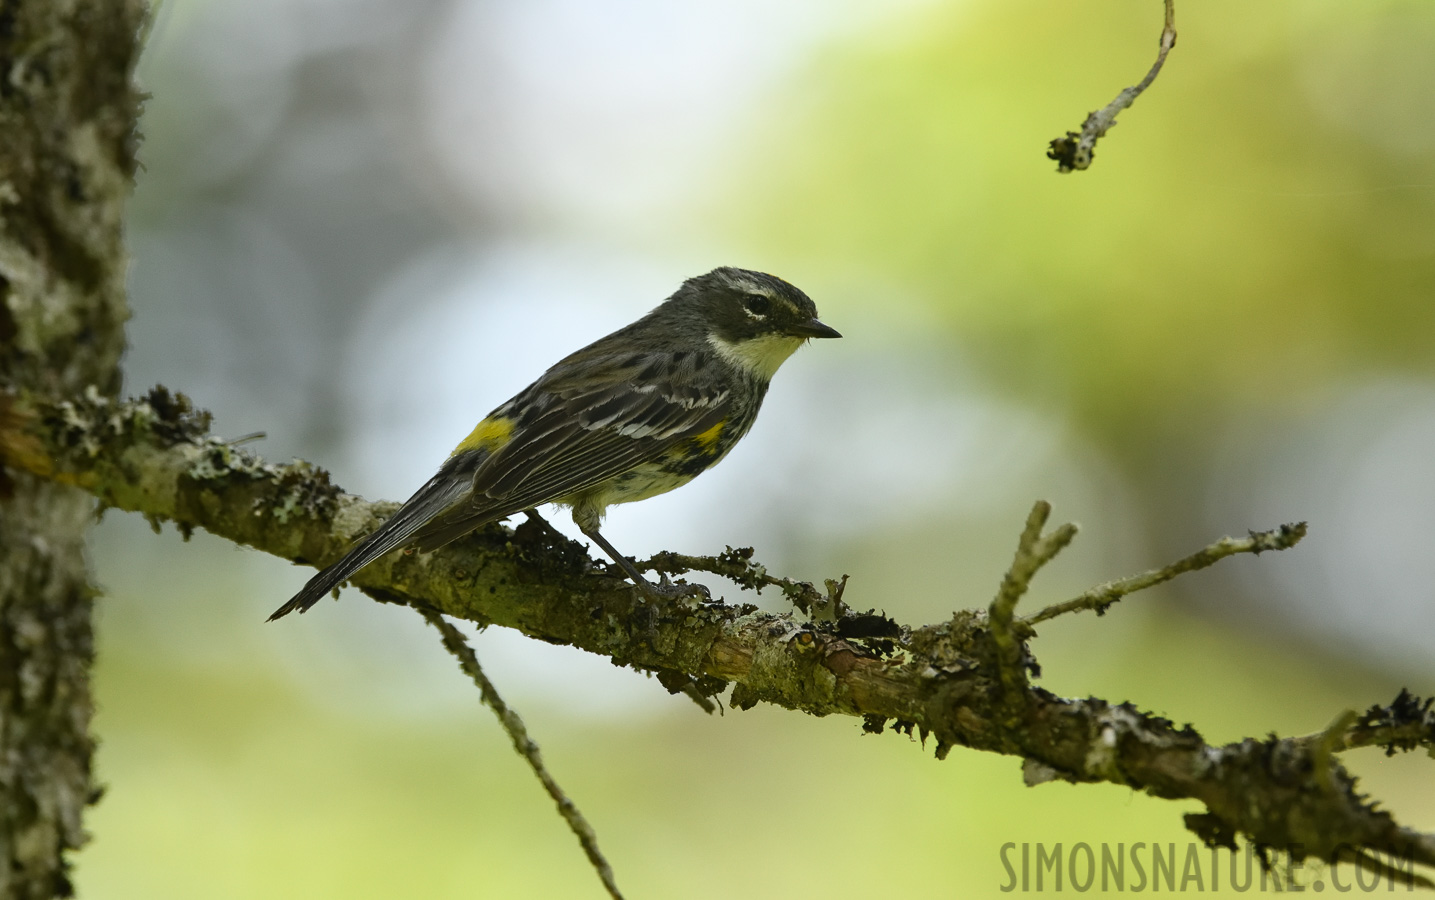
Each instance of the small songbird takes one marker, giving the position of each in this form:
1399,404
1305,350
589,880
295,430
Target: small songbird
630,416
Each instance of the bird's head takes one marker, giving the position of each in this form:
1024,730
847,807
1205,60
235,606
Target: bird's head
754,321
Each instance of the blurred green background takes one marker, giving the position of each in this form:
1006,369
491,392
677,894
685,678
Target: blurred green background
362,224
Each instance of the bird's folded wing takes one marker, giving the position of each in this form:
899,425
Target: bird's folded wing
578,431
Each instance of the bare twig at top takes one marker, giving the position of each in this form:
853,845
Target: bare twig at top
1075,151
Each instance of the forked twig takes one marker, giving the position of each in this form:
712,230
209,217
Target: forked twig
1033,551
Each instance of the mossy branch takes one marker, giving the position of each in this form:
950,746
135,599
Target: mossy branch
962,681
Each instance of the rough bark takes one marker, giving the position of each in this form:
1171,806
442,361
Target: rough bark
67,159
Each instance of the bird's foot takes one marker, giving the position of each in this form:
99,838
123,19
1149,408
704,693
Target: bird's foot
665,589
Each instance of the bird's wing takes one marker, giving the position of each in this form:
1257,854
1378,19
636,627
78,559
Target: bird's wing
441,492
575,429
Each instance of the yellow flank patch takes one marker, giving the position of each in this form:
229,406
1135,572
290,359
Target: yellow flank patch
709,437
490,434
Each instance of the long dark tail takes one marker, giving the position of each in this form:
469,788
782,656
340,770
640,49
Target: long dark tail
441,492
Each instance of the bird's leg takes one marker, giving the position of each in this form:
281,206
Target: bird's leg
623,561
654,591
538,520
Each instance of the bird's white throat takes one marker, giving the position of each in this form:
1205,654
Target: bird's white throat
760,356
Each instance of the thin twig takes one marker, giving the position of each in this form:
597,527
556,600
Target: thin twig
526,747
738,566
1323,750
1104,595
1406,724
1033,551
1075,151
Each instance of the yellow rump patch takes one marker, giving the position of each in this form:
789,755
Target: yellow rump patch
709,437
490,434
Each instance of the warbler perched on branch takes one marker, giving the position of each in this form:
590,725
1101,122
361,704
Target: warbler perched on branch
630,416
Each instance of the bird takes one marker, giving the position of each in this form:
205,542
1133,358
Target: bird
630,416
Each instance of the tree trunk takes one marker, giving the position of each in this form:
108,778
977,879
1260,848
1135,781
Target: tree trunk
67,141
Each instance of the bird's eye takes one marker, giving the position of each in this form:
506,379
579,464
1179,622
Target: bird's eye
757,305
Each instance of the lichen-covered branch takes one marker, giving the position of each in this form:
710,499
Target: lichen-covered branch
1075,151
155,457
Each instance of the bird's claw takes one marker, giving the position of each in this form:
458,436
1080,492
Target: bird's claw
665,589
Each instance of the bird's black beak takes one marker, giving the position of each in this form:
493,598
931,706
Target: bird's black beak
813,329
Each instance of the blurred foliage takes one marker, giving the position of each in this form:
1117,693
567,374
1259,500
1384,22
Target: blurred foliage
1260,224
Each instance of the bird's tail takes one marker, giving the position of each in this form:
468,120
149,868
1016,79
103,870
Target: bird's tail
441,492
